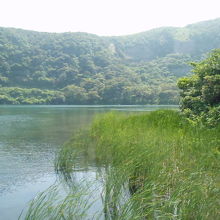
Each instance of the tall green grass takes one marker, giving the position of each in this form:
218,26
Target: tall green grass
152,166
61,203
171,168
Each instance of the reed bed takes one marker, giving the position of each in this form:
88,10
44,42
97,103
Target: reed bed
152,166
170,167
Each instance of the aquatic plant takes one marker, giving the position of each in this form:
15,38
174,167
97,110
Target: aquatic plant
154,165
58,202
170,167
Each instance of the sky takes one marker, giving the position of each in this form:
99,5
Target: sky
104,17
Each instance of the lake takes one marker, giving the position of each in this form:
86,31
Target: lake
30,137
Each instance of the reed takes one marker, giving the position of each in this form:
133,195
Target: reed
170,167
152,166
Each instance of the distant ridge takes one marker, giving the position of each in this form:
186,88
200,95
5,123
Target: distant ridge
82,68
202,23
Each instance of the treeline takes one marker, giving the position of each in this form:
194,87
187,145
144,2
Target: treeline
80,68
201,92
76,95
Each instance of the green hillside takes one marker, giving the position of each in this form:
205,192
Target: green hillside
81,68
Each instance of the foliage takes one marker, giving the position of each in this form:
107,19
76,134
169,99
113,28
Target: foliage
136,69
169,167
15,95
201,92
57,204
153,166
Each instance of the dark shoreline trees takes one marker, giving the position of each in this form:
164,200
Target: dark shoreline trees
201,91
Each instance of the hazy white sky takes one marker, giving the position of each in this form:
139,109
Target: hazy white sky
104,17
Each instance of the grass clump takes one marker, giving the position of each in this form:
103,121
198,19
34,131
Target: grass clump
150,166
61,203
169,167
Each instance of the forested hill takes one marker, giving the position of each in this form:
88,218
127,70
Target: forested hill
81,68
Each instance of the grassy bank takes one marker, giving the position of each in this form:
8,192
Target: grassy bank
156,166
170,168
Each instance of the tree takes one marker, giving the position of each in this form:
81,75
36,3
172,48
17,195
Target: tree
201,92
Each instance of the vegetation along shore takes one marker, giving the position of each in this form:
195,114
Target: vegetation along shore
82,68
157,165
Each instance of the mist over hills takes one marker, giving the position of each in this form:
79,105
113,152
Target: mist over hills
82,68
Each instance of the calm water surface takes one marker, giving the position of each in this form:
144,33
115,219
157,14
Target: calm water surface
30,136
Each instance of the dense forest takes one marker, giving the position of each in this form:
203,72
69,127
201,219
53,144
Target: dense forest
81,68
200,92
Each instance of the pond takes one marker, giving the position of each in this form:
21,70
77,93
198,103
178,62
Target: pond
30,137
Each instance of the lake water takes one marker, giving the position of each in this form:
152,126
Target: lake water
30,136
